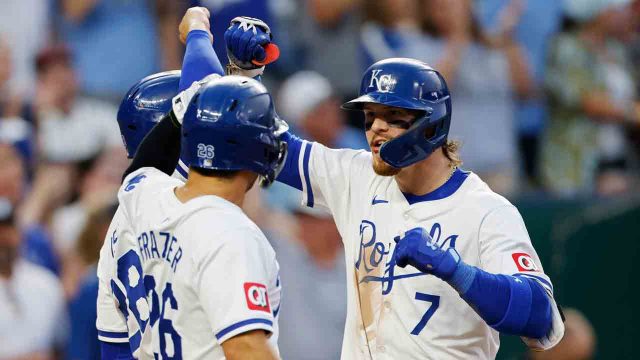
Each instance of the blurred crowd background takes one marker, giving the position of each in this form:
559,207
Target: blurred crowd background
546,104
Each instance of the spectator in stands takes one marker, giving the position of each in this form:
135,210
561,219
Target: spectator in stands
313,280
31,301
327,31
593,99
309,104
635,58
116,43
36,243
635,41
25,28
71,128
72,132
389,27
16,118
536,27
96,189
485,72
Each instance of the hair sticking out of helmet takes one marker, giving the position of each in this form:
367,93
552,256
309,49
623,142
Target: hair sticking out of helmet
231,124
409,84
144,105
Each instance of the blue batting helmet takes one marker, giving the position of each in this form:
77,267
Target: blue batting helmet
409,84
144,105
231,124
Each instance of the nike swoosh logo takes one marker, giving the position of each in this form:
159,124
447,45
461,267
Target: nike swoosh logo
376,201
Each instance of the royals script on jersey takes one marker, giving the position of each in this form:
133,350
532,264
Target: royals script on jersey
179,279
396,313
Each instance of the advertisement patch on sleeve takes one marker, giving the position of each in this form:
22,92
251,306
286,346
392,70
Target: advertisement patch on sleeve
524,262
257,297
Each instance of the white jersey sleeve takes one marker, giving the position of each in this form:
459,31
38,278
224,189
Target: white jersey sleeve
327,175
232,283
505,248
110,322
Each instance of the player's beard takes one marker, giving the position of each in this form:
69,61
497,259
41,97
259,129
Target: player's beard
382,168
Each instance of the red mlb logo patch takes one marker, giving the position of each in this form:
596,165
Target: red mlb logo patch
257,297
524,262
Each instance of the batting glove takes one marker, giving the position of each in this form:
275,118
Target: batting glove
249,43
418,249
180,102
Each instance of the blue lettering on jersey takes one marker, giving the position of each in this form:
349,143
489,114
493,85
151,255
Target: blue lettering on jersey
171,251
135,180
114,240
372,253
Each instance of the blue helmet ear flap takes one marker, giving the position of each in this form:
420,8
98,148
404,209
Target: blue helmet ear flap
277,163
427,133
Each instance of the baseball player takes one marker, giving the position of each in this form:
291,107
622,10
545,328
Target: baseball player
147,104
191,275
473,271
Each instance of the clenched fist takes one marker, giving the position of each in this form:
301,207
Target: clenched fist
196,18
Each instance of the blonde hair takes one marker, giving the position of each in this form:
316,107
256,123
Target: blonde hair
450,150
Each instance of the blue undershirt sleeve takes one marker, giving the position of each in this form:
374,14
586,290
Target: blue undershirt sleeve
115,351
200,59
510,305
290,173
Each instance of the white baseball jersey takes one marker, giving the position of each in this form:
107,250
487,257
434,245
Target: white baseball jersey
396,313
178,279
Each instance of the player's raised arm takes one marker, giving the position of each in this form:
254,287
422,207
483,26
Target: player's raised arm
160,148
200,60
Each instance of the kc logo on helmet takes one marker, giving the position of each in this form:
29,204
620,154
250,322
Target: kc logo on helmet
384,83
257,297
524,262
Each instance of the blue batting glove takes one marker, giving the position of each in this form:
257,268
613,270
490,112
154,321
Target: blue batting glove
249,45
417,248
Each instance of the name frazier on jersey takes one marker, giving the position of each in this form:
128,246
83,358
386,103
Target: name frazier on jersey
148,245
372,252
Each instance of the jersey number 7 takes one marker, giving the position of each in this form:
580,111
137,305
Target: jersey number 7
435,302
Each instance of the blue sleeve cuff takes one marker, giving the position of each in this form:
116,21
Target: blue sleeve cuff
242,327
510,304
290,173
463,277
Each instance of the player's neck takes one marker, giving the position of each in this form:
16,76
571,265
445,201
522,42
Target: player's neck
231,189
425,176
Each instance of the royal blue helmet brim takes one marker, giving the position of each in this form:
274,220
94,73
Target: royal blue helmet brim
383,99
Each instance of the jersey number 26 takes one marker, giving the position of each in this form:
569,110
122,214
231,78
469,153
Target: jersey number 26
140,292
